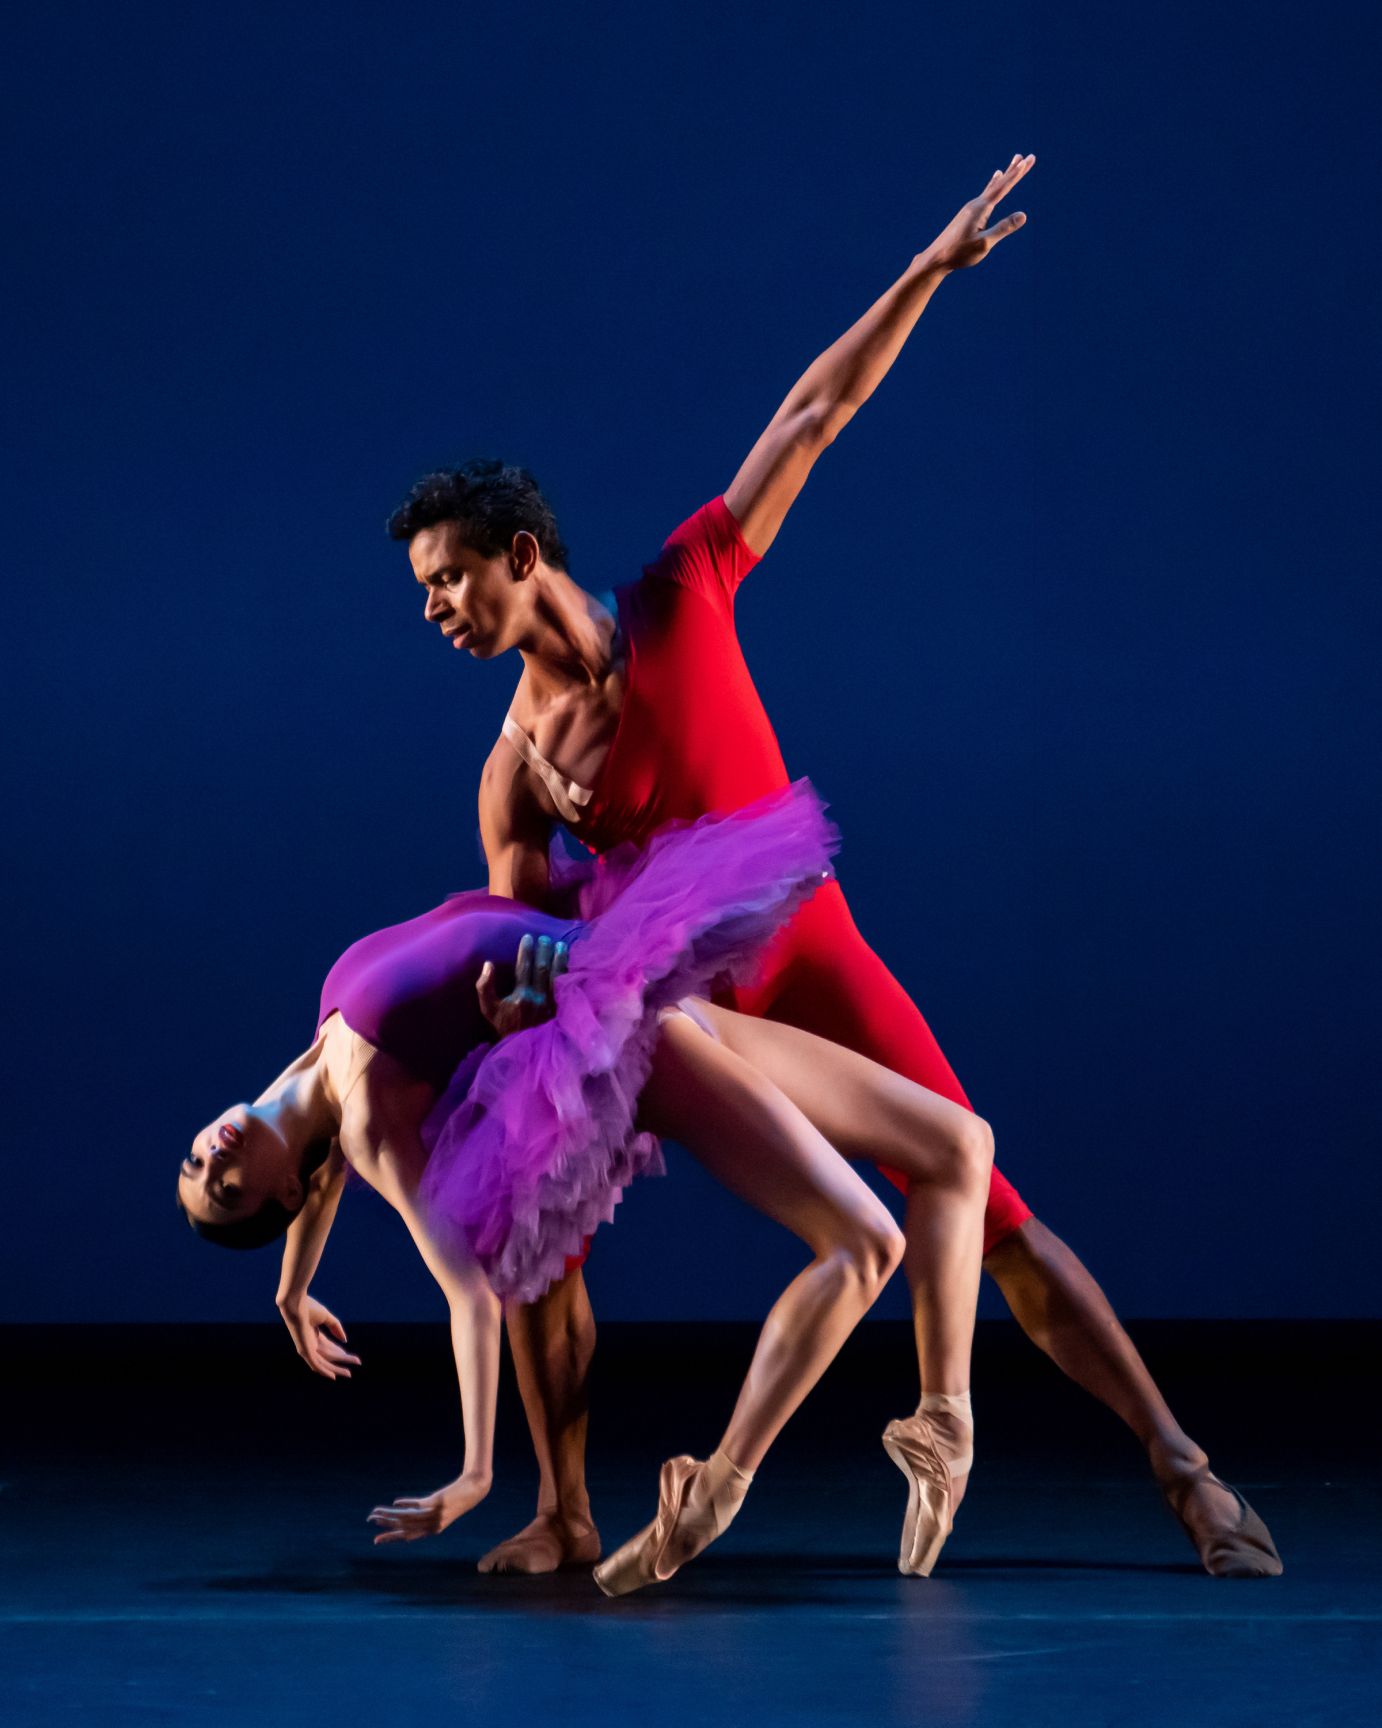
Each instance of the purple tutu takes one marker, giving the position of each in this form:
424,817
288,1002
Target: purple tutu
533,1141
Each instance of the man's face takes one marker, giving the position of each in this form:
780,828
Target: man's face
478,602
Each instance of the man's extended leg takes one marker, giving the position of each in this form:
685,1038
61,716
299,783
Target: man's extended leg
1065,1313
553,1341
825,978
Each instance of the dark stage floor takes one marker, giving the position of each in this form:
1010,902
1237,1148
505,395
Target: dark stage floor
182,1521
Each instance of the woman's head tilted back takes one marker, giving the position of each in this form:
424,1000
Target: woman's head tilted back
242,1184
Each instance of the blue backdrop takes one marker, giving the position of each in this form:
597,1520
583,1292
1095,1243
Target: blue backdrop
1077,625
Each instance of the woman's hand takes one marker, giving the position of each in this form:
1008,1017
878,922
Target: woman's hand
319,1337
408,1519
968,238
533,1000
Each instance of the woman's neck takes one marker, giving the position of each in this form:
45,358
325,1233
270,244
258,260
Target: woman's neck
301,1104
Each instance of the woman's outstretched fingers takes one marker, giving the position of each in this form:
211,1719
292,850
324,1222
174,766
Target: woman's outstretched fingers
406,1520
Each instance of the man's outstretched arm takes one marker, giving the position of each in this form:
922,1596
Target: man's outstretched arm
831,390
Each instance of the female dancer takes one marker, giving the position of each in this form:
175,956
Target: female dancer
502,1159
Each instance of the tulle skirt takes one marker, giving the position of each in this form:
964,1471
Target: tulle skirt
534,1139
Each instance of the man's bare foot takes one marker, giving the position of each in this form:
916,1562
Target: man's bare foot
548,1543
1229,1537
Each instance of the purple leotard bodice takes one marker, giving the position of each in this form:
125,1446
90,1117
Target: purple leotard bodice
410,990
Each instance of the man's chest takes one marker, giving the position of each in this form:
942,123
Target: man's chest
561,745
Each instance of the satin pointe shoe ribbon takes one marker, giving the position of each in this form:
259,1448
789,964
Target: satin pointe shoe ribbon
912,1445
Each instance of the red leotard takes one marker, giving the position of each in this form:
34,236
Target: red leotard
693,737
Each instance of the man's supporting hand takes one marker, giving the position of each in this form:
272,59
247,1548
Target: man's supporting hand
533,999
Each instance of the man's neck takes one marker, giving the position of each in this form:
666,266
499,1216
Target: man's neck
571,643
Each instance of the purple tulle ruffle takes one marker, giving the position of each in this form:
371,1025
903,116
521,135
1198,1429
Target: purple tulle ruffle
533,1141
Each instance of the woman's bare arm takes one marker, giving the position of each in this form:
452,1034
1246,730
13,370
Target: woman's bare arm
832,389
380,1130
317,1334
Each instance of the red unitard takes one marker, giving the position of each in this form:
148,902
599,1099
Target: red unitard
693,737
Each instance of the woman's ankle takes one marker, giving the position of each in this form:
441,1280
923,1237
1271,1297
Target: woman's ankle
954,1404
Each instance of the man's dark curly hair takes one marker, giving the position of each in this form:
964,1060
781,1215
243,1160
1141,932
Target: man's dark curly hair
272,1218
490,501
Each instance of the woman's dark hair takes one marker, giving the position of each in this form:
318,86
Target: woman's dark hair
490,501
270,1221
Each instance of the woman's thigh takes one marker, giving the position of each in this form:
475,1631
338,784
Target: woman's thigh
756,1141
863,1109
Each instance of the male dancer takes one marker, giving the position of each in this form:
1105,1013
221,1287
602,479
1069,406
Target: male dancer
639,709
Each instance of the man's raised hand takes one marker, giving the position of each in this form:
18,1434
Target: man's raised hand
533,999
969,237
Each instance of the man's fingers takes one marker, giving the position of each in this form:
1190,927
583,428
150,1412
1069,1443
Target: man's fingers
560,957
542,967
489,996
1009,225
1005,179
523,966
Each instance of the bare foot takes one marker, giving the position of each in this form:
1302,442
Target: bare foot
549,1542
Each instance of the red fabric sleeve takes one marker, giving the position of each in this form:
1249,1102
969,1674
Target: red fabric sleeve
707,554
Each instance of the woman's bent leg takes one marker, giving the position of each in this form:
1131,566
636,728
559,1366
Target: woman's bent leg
946,1152
755,1141
867,1111
761,1147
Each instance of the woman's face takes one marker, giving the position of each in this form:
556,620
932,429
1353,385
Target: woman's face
236,1163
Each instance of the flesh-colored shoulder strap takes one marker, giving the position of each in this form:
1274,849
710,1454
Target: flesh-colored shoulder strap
566,794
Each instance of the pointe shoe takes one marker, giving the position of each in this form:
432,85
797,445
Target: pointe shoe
652,1556
911,1443
1247,1552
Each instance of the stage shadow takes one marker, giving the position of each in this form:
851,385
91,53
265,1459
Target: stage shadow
996,1563
743,1580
